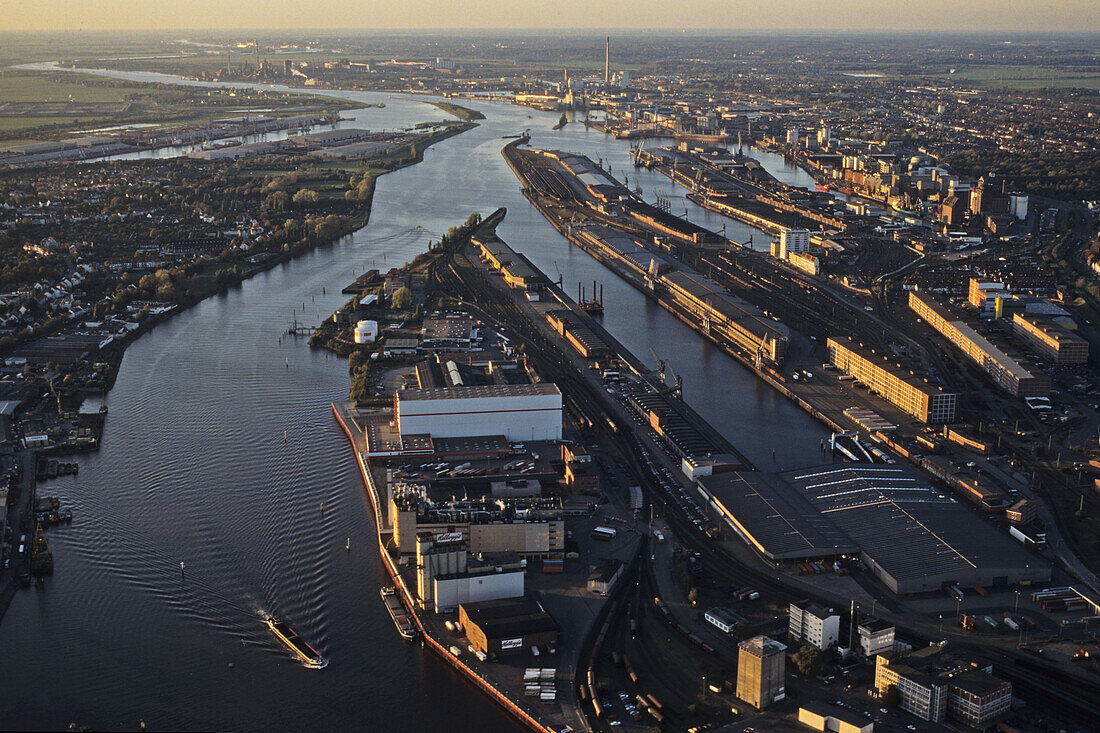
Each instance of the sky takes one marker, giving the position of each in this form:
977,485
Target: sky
967,15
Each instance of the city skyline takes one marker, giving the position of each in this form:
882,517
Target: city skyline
855,15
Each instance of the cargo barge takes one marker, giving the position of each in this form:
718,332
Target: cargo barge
397,612
295,643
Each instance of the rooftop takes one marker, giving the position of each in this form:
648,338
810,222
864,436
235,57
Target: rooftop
478,391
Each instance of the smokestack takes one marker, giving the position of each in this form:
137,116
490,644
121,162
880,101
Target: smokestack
607,62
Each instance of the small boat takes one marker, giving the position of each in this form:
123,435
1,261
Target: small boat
397,612
295,643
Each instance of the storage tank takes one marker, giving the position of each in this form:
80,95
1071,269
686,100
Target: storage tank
366,332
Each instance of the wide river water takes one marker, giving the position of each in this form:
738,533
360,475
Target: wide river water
220,450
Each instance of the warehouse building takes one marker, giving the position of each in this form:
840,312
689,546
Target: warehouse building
1049,339
824,717
725,316
910,536
1016,376
903,388
519,412
507,627
577,334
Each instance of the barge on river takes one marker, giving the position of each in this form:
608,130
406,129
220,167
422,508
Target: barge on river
397,612
295,643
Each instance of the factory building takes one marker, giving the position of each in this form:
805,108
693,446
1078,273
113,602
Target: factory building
1049,339
722,315
506,627
519,412
446,577
815,625
532,528
761,669
1009,373
902,388
909,535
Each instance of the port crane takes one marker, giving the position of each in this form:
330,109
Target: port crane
662,369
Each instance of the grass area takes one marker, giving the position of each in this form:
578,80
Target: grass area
1028,77
18,86
91,101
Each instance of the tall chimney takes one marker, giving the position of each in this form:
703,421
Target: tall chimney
607,62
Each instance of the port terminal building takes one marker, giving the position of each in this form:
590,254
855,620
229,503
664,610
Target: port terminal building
908,534
902,387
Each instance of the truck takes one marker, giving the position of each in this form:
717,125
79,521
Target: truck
604,533
659,536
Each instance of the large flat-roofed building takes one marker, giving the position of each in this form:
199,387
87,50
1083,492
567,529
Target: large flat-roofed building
909,535
507,626
1049,339
761,669
1015,376
777,521
903,388
487,526
519,412
981,292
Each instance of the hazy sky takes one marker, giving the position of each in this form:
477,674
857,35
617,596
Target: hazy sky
1027,15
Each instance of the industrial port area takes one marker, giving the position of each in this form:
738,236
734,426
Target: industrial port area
560,525
875,506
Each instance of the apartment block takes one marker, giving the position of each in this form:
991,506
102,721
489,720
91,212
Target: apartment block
901,387
1013,375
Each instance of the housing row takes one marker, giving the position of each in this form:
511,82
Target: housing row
1015,375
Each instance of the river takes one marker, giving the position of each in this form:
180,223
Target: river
220,450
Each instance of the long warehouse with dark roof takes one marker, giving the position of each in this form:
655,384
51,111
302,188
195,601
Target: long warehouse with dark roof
911,536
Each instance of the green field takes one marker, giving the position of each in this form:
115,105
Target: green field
1028,77
88,100
18,86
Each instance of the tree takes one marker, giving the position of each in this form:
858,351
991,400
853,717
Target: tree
402,298
808,660
305,196
892,697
